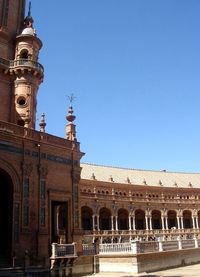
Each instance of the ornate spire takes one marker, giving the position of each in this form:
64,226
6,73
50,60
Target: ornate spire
28,21
42,123
71,127
29,8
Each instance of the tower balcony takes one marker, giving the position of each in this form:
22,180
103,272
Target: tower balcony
23,65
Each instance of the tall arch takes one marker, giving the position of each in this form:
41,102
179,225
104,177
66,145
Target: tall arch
10,170
156,219
86,218
6,213
187,219
172,219
122,219
198,218
105,219
139,219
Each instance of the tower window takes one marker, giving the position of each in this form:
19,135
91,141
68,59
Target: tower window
21,101
24,55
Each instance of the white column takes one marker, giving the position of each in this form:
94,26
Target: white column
147,225
197,222
111,222
133,223
196,241
150,219
179,243
166,220
54,249
193,223
182,223
163,224
129,223
93,222
160,245
98,222
178,222
116,222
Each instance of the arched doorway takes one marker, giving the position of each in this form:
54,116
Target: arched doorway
172,221
139,220
198,219
122,219
187,219
105,219
156,219
86,216
6,214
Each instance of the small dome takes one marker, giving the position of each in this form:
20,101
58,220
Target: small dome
28,31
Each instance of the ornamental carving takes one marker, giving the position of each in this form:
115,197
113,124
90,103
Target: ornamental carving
27,169
43,171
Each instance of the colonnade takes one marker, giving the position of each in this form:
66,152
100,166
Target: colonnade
149,220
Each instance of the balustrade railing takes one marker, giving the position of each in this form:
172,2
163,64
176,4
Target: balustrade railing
135,247
89,249
63,250
115,248
21,62
26,62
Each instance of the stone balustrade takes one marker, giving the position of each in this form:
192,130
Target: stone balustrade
136,247
63,250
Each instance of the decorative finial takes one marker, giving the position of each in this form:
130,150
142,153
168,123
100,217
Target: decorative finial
71,99
93,177
28,21
42,123
175,184
190,185
70,117
29,8
111,178
71,128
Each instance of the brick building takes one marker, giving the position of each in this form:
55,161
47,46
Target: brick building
39,173
44,195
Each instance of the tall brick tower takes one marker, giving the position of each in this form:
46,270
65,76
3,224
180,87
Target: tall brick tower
39,172
11,22
20,72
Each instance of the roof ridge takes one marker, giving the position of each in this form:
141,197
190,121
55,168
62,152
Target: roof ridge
147,170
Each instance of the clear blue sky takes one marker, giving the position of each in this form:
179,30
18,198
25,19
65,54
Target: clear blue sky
134,67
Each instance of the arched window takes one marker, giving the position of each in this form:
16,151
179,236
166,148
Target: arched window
24,54
187,219
123,219
140,219
105,219
156,219
172,221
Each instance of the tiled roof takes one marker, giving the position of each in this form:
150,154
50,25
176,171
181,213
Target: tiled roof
140,177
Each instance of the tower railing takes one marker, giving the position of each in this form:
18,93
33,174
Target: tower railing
26,62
